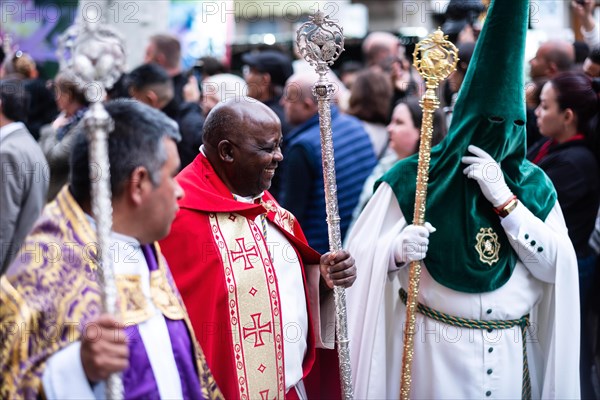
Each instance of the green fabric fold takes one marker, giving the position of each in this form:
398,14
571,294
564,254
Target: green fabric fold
490,114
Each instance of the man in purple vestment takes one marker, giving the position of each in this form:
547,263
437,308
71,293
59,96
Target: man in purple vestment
56,342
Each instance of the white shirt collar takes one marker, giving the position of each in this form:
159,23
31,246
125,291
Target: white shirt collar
10,128
248,199
115,236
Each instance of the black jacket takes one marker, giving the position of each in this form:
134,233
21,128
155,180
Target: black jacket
574,171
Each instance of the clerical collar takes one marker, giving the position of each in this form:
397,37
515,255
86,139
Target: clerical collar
115,236
202,150
248,199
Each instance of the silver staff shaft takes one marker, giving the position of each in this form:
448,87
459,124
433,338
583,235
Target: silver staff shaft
98,125
321,41
94,56
323,92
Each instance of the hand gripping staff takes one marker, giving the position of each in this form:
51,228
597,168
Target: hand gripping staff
94,54
435,58
321,41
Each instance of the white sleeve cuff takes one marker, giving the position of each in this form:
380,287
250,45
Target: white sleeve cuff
64,377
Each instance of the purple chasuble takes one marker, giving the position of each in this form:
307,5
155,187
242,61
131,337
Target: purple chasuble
138,379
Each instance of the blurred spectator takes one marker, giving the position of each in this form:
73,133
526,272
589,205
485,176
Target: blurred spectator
42,106
552,57
265,73
591,65
348,72
594,305
20,65
533,90
582,50
220,87
24,182
383,51
302,190
377,47
455,80
165,51
462,20
584,12
568,110
370,100
210,66
120,89
565,114
404,131
151,85
57,139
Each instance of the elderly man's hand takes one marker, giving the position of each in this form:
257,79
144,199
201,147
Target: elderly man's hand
104,348
338,269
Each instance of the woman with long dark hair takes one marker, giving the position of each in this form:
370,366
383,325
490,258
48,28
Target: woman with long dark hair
567,119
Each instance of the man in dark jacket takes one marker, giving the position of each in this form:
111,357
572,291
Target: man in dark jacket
302,189
151,84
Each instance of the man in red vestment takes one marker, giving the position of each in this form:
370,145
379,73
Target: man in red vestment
259,297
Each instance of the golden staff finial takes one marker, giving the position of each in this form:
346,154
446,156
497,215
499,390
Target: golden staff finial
435,58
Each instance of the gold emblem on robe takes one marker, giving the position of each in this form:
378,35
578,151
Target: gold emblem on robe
487,246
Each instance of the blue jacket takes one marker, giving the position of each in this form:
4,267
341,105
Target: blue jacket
302,190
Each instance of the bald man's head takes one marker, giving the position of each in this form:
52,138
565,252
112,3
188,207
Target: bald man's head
230,119
298,102
552,57
242,139
379,46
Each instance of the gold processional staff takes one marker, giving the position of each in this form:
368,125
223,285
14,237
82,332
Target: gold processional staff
435,58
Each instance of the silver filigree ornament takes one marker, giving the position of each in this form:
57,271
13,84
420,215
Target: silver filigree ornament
94,55
320,42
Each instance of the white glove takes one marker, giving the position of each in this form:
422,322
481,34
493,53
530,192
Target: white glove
488,174
411,244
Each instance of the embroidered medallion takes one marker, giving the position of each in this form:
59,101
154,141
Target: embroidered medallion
132,304
488,246
163,297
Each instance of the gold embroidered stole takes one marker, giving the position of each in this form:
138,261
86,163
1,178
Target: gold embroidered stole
254,308
43,310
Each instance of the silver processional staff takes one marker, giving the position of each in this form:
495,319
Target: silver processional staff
94,55
321,41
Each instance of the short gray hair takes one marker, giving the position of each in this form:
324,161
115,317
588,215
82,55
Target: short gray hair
136,141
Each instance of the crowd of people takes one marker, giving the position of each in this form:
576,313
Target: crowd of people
220,242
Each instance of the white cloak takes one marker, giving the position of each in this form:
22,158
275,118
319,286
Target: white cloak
457,363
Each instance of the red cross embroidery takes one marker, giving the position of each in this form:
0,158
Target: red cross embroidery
244,253
264,394
257,330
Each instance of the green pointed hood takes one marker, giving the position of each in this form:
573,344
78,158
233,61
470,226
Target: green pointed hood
489,113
